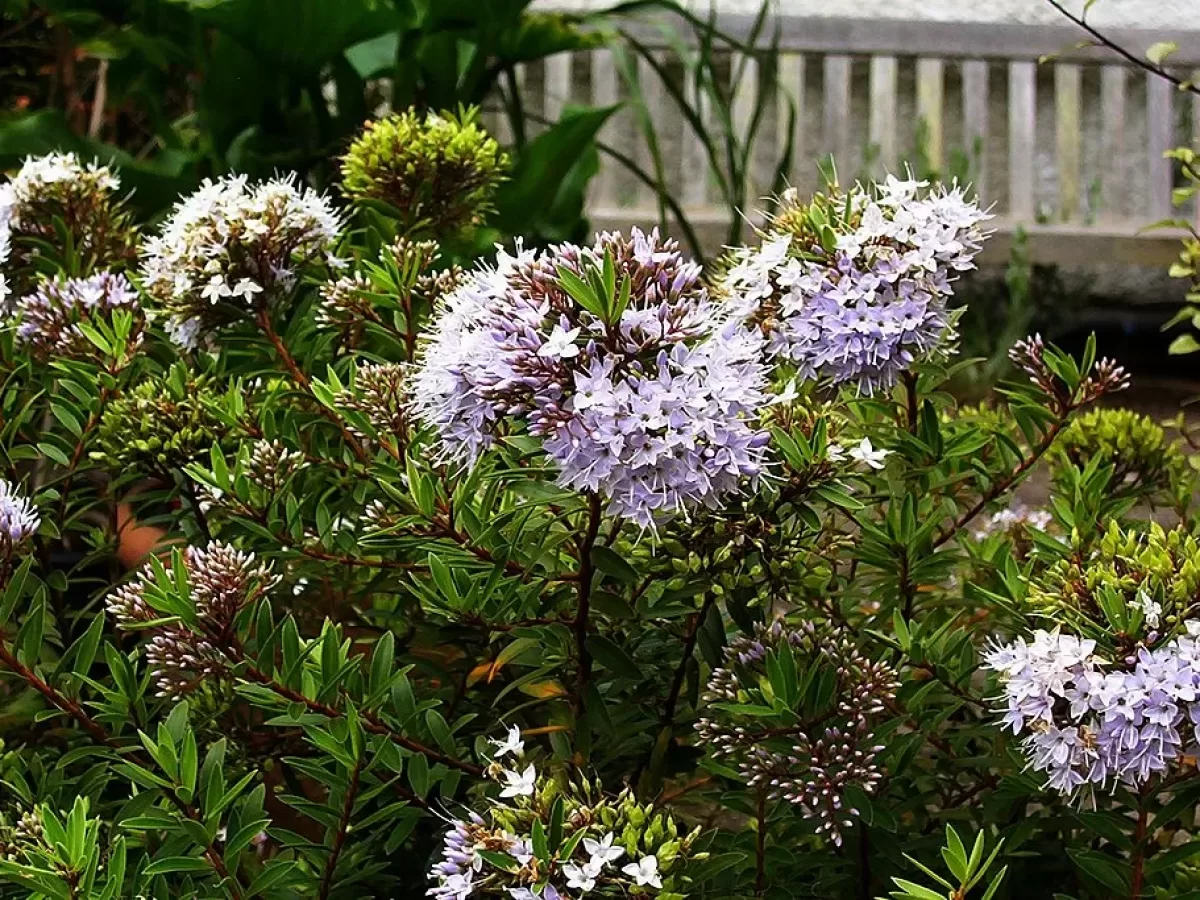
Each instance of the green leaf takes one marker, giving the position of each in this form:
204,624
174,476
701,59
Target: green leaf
1158,52
612,657
607,561
178,864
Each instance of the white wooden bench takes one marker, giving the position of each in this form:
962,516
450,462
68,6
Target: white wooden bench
1070,149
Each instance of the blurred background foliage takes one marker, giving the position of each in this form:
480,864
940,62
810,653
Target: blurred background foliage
173,91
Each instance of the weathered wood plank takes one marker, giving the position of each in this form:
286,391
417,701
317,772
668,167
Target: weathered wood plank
835,135
1159,139
944,40
975,122
882,131
789,119
931,109
658,115
1114,193
697,166
606,91
744,70
1067,138
557,85
1022,123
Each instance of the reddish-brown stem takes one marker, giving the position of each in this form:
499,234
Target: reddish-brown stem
1139,849
302,379
371,723
689,646
343,827
583,611
760,846
910,393
1004,483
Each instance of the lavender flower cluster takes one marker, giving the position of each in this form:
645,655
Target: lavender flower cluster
860,299
599,836
812,763
49,318
19,519
654,411
182,654
231,247
1088,722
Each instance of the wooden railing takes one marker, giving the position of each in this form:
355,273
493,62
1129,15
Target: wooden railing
1070,149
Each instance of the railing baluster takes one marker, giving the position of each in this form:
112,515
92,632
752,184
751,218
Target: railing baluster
930,108
975,122
1067,138
835,137
606,92
557,85
1022,122
1114,194
746,89
791,88
1159,139
882,130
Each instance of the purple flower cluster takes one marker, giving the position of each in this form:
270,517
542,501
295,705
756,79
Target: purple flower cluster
1088,723
863,307
18,517
49,318
182,655
654,410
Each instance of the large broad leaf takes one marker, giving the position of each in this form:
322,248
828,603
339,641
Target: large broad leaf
545,34
300,35
544,165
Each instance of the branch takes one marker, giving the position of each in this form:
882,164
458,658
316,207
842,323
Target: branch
582,614
668,714
1104,41
343,827
371,722
302,379
1005,483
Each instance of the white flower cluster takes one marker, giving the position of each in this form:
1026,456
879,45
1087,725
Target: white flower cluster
41,175
463,869
232,244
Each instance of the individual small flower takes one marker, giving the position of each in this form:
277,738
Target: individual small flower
853,287
580,878
868,455
19,519
436,170
231,247
511,743
603,849
49,319
519,784
644,872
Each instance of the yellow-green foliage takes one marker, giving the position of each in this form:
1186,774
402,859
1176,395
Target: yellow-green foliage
1143,460
161,422
1125,571
438,170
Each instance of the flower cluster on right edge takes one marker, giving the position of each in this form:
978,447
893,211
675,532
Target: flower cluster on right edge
1115,697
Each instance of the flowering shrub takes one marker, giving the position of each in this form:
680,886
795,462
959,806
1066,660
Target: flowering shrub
575,572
